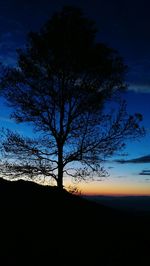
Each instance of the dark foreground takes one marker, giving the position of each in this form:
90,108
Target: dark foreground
43,226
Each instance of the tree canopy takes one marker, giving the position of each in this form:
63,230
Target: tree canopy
61,84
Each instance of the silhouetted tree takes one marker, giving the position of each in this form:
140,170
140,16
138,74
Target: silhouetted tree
61,84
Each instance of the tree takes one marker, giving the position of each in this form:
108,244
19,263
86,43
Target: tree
61,85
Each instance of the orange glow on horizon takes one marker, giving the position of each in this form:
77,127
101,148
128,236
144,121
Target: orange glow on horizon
107,188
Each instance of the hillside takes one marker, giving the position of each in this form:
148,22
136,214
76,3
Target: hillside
43,226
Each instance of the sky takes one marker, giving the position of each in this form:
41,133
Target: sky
123,25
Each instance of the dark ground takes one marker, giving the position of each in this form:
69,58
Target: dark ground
43,226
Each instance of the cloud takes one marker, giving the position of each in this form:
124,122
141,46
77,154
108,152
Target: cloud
145,172
121,176
9,41
139,88
138,76
6,119
142,159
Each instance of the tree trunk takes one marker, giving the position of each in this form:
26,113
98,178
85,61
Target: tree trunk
60,181
60,142
60,168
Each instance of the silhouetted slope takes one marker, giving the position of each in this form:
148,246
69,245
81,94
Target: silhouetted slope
44,226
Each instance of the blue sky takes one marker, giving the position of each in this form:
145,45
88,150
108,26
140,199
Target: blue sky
123,25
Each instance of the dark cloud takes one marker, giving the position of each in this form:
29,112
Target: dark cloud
138,76
121,176
142,159
139,88
145,172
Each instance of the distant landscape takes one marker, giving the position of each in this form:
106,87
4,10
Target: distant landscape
127,203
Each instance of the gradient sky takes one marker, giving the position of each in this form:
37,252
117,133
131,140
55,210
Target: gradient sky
123,25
